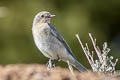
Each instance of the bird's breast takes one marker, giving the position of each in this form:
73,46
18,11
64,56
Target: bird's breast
47,43
41,35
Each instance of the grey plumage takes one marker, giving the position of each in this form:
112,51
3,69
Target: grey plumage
50,42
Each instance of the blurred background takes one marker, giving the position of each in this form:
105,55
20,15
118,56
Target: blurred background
101,18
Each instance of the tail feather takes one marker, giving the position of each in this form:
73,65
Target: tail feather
79,66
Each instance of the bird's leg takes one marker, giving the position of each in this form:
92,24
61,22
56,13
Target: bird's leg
51,63
54,62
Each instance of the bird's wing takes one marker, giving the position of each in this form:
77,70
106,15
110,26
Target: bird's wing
56,34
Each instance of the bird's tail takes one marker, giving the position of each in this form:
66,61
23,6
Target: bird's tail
78,65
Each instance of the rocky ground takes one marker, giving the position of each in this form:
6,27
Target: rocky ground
39,72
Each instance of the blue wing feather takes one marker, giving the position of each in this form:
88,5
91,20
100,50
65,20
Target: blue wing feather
55,33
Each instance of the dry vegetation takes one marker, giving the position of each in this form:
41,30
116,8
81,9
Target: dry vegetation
104,63
39,72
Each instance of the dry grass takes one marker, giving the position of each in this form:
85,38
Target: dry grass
39,72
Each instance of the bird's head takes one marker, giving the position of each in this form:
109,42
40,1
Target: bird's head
42,17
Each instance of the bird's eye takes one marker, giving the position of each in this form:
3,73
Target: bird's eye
42,16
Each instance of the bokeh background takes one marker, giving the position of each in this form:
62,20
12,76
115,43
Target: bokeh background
99,17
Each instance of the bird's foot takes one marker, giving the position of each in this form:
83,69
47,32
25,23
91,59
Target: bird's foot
51,64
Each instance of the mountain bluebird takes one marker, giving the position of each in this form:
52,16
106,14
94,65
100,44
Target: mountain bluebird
49,41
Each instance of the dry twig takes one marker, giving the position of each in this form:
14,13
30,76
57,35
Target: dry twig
104,63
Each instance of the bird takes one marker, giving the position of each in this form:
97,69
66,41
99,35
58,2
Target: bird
51,43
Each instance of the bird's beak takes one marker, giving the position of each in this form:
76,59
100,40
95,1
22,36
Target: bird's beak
52,15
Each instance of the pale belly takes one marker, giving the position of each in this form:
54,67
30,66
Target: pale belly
51,47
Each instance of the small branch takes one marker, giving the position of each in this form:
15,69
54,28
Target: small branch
85,51
104,63
96,48
70,68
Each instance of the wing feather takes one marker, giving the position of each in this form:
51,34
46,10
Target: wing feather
56,34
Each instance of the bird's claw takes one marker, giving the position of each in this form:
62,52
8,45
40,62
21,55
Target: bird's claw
51,64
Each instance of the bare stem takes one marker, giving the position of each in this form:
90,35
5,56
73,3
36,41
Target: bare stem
85,51
96,48
104,62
